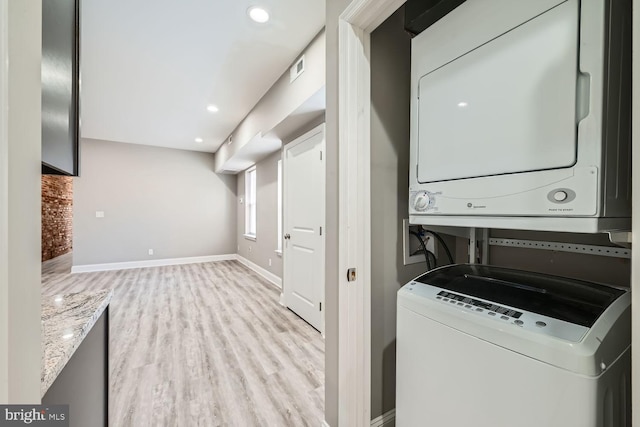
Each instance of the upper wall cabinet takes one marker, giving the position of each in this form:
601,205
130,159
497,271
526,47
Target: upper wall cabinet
60,87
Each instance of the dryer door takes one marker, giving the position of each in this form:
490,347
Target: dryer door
507,106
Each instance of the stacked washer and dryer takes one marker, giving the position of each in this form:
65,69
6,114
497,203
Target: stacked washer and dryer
520,119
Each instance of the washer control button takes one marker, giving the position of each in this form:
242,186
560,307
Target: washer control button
540,324
518,322
491,313
504,317
560,196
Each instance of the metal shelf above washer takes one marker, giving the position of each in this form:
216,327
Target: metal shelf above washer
563,247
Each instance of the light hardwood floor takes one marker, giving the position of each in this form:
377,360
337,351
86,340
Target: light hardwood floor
203,345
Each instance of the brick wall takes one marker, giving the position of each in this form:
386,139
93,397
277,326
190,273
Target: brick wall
57,215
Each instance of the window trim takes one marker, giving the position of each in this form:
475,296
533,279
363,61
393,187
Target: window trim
280,209
250,203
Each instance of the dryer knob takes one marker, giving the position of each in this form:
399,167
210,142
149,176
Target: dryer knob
421,202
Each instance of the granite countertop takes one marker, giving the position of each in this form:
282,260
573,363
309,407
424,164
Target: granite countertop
66,321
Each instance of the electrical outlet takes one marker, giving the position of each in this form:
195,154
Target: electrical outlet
150,251
249,248
269,262
238,248
241,200
411,245
99,214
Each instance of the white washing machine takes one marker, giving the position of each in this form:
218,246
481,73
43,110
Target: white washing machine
487,346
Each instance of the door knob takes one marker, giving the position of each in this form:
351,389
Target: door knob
287,236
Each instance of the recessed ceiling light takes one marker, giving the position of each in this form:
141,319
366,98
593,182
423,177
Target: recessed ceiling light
212,108
199,140
258,14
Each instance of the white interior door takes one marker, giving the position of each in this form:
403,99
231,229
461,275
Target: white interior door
304,206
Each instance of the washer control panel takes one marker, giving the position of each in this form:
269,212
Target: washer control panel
469,302
507,316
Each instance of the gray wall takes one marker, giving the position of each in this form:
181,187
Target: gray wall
20,142
263,249
163,199
280,101
614,271
331,396
390,87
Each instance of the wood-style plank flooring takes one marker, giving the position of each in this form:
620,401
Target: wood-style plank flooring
202,345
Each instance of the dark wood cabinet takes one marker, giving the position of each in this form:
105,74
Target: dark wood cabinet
60,87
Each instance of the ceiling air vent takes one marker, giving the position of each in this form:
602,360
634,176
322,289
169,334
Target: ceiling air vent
296,69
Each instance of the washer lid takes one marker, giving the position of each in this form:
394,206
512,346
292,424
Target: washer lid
571,300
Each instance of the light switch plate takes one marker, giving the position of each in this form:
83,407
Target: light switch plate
99,214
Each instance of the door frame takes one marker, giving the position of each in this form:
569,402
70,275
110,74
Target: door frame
355,25
4,198
635,216
300,140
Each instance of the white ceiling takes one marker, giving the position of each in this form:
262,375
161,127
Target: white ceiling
150,67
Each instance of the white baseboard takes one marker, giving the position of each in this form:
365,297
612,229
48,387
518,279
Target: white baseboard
388,419
150,263
261,271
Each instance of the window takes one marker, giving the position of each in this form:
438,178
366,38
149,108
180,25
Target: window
250,203
279,249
